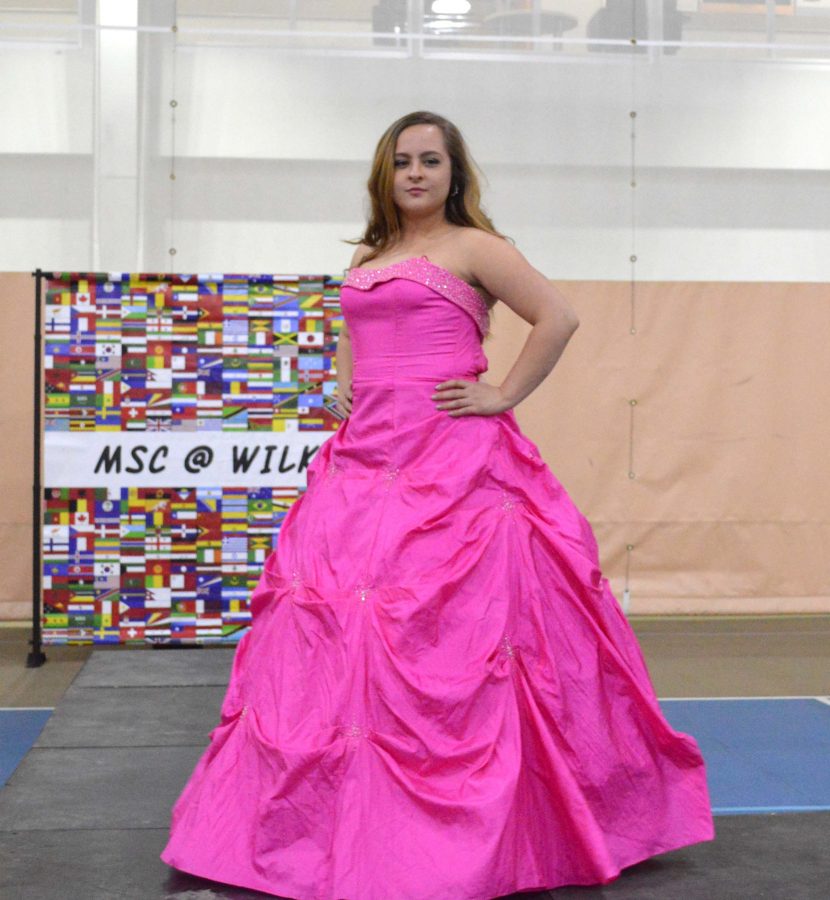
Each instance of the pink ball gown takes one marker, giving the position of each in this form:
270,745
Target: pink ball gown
439,696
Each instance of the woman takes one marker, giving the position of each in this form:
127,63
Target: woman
439,695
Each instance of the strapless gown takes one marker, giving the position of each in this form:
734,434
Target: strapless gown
439,697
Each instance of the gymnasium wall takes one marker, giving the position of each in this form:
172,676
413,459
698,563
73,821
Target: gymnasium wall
695,444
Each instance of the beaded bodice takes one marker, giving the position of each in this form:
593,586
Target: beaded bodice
433,276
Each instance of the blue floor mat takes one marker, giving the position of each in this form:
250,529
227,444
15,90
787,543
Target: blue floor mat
762,755
19,729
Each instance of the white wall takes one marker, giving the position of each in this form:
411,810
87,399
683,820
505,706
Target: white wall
272,151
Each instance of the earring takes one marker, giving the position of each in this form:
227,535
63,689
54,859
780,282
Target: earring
454,191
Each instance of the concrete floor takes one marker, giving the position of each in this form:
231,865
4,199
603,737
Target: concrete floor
85,814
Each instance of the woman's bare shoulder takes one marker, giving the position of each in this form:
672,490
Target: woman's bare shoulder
360,253
474,243
477,240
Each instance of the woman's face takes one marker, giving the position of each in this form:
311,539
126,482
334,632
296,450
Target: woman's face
423,170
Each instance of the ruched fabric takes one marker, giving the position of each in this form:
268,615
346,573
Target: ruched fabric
439,696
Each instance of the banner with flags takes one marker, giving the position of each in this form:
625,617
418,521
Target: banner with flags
180,415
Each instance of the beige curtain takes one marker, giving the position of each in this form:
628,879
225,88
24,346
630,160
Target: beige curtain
728,509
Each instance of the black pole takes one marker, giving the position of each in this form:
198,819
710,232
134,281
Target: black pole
36,655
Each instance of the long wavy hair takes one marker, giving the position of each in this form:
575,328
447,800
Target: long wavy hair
463,207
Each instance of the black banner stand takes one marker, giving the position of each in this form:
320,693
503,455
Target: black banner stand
36,655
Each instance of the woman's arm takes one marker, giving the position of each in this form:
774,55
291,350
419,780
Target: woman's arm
506,274
344,363
343,358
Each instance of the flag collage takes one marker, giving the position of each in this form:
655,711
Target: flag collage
126,352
